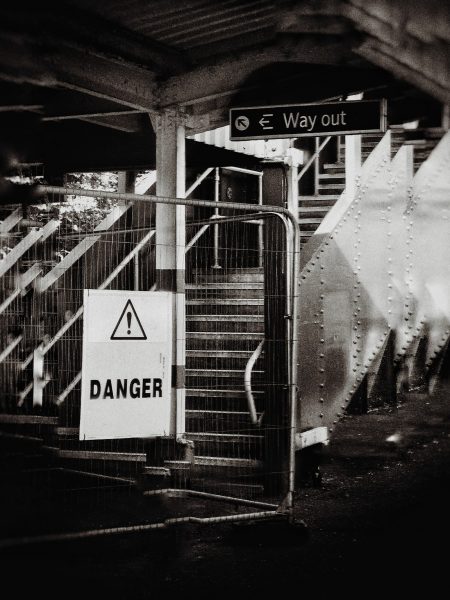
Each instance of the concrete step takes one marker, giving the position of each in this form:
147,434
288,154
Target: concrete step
336,165
225,306
225,286
222,341
219,291
218,421
223,394
250,491
225,323
112,464
228,445
331,186
231,325
220,373
216,399
306,211
221,363
318,200
307,222
233,463
225,318
225,276
244,271
332,176
219,354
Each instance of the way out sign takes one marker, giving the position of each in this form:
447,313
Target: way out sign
126,370
303,120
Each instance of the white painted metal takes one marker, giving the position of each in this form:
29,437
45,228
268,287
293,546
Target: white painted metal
11,220
311,437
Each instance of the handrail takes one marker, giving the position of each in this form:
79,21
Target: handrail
248,385
313,157
196,237
44,350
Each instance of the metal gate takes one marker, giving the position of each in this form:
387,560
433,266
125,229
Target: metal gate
236,442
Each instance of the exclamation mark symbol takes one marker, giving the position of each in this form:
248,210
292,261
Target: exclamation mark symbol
129,322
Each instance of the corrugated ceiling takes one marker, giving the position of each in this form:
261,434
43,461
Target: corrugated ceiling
187,24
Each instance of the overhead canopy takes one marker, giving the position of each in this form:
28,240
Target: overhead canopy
92,72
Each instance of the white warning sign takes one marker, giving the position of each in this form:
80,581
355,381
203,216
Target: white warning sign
126,370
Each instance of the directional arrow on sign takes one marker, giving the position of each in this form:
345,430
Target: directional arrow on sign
264,122
242,123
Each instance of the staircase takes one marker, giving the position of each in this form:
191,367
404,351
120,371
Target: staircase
331,179
224,325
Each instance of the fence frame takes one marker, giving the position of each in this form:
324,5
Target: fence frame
292,241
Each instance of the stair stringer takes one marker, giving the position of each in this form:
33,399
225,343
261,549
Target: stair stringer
348,299
426,320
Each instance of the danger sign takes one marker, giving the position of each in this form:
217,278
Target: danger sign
126,370
132,328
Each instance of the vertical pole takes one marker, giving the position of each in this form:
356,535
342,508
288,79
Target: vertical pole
316,167
261,223
292,191
276,394
216,214
445,117
352,163
126,182
136,271
170,245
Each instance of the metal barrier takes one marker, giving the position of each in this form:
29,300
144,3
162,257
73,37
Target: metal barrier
220,453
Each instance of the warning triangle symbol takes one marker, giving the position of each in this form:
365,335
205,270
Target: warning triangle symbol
128,326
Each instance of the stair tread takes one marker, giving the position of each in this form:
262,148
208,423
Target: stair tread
226,301
225,436
250,285
313,209
229,462
331,176
330,186
310,221
222,372
242,413
225,318
230,334
219,353
233,271
217,392
319,197
338,165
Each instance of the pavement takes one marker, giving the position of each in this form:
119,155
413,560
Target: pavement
378,525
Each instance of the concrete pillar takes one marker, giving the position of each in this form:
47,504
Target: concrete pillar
170,245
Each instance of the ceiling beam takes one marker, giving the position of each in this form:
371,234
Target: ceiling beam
77,69
392,42
22,108
57,24
403,66
227,75
118,126
92,115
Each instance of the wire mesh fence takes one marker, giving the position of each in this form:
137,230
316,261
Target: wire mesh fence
234,438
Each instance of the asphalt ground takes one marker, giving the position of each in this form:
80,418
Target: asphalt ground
379,525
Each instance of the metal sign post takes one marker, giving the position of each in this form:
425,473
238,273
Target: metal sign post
303,120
